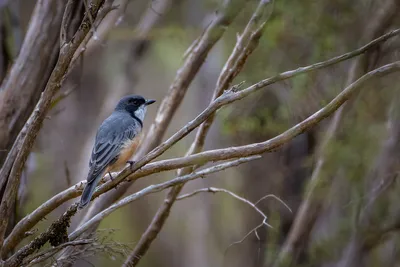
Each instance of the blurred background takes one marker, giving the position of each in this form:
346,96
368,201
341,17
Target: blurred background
354,215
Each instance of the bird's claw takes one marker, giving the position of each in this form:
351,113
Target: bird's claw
112,179
131,162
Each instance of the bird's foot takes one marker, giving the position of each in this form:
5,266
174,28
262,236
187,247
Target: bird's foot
112,179
131,162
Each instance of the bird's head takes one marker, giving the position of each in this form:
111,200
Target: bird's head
136,105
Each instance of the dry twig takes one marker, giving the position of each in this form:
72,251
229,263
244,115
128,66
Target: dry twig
248,202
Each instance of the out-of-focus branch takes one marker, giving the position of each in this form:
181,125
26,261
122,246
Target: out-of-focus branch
174,97
13,166
309,208
33,218
17,95
366,233
245,45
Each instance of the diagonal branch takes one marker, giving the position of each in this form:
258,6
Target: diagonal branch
310,206
34,63
16,159
174,97
245,45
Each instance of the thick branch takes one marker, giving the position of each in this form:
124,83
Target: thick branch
28,75
16,159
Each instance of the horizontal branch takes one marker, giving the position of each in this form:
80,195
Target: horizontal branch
157,188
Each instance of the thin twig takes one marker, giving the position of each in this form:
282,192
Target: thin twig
41,256
248,202
66,22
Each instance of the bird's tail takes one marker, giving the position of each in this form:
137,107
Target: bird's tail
88,191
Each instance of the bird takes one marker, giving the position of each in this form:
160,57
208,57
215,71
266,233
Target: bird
117,139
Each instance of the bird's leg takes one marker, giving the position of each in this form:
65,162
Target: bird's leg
131,162
112,179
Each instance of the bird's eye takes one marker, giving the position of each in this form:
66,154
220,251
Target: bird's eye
134,102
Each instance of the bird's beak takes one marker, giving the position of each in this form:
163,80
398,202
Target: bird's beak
149,102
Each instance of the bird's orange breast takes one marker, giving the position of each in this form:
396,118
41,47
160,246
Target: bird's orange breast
128,149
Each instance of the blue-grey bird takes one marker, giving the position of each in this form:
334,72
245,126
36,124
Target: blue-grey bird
116,141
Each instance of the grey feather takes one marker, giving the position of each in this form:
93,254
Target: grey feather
118,128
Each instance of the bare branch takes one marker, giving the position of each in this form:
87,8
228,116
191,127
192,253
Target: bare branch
16,159
56,234
248,202
65,22
243,48
30,220
252,205
32,64
157,188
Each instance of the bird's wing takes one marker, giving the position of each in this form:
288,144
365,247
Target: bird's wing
109,141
